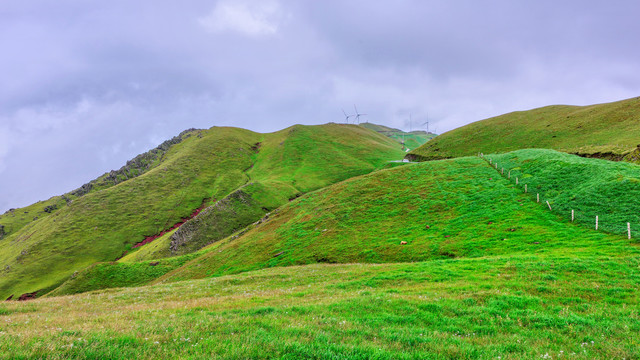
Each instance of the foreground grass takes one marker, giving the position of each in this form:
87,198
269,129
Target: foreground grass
604,130
510,307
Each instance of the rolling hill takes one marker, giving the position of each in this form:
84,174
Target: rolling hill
486,272
607,131
221,172
459,208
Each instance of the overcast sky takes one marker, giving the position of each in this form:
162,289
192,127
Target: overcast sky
86,85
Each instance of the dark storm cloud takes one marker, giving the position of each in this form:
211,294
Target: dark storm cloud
87,85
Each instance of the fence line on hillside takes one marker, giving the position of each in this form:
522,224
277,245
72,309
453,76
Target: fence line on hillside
573,213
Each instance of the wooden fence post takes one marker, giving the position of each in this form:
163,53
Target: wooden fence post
629,231
596,222
538,197
509,174
549,205
516,180
572,215
525,188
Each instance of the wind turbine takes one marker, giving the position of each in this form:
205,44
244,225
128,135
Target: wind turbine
358,114
426,123
346,117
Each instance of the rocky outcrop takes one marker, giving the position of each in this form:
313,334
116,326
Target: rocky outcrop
216,222
49,209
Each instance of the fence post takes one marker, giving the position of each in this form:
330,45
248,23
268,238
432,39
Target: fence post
525,188
516,180
629,231
572,217
502,171
596,222
538,197
509,174
549,205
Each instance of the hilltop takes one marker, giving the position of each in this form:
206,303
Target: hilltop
608,131
227,173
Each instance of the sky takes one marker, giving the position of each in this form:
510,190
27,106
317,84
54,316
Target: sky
86,85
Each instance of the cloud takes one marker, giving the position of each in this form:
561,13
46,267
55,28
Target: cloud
252,18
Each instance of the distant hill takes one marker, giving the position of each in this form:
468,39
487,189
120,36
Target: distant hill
222,173
411,140
610,131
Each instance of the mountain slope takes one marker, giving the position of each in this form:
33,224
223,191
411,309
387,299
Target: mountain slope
102,224
15,219
446,209
604,130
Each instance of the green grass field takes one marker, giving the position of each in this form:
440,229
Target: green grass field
208,166
606,131
509,307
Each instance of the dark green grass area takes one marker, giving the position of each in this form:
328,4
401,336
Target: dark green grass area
604,130
445,209
590,187
509,307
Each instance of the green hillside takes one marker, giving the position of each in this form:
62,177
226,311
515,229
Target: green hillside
469,208
605,131
589,187
199,171
412,140
15,219
487,272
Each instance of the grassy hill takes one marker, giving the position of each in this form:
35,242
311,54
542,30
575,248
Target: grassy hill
207,167
445,209
589,187
460,208
605,131
487,272
412,140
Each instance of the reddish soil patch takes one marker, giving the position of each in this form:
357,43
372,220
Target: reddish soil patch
27,296
149,239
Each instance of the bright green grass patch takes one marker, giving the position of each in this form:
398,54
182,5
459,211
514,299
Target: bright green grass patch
590,187
511,307
604,130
